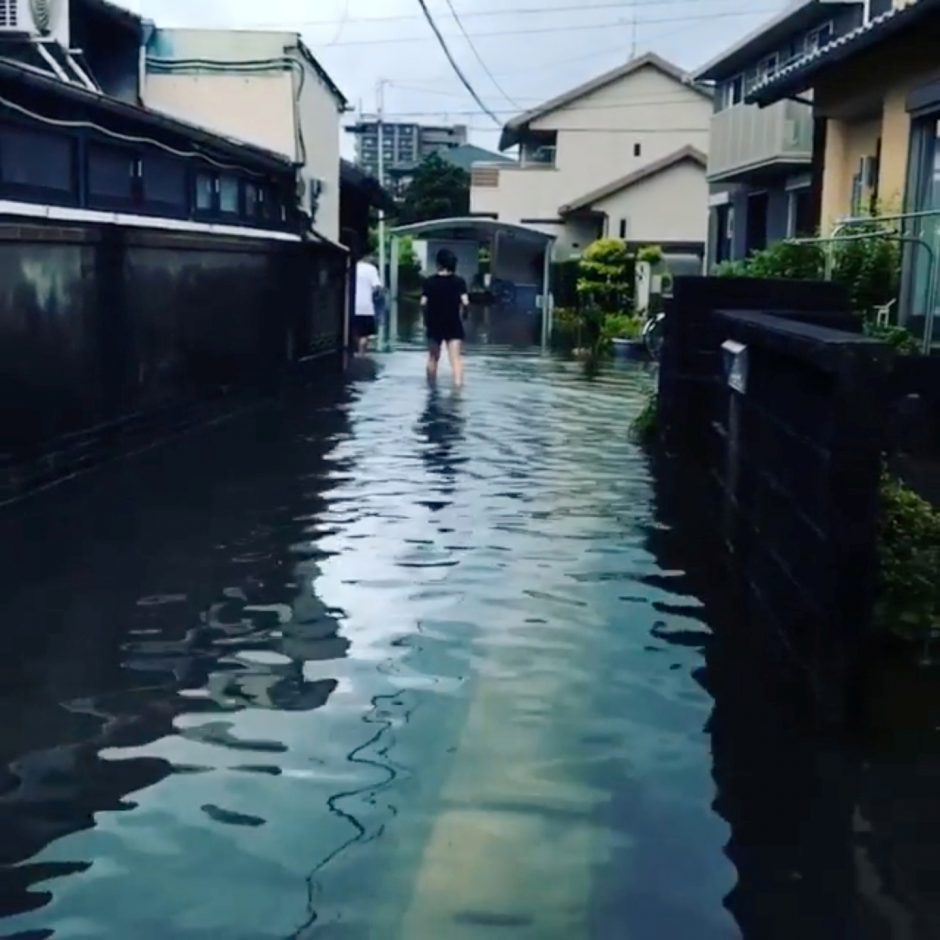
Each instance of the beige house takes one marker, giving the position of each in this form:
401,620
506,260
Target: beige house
621,156
264,88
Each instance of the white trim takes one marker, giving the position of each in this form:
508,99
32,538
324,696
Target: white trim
80,72
66,214
718,199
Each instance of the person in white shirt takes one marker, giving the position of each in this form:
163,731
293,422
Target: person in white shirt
368,291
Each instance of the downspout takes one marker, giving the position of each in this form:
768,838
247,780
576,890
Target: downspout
147,30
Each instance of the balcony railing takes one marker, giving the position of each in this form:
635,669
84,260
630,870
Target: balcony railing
746,137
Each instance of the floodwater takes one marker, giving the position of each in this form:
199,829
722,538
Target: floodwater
391,662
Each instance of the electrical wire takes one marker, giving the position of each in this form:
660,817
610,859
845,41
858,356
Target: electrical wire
582,27
127,138
480,58
450,58
505,11
343,20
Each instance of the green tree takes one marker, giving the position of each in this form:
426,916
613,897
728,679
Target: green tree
439,190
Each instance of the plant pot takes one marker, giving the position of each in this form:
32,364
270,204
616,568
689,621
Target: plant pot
629,349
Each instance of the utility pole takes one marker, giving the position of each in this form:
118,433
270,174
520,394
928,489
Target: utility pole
380,127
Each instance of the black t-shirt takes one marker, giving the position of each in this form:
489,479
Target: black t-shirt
443,292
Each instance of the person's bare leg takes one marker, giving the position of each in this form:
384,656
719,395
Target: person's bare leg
434,357
454,353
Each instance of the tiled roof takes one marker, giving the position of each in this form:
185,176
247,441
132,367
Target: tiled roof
798,75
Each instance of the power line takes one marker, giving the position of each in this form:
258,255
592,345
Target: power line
505,11
395,40
450,58
479,58
625,105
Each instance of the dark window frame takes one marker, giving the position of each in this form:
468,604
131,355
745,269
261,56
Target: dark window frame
26,192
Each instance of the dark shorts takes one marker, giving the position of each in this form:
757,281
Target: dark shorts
444,329
364,326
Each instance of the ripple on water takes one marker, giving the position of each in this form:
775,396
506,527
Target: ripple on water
403,642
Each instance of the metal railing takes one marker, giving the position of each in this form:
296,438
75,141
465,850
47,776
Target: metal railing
932,252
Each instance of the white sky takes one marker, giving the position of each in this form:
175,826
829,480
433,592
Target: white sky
546,52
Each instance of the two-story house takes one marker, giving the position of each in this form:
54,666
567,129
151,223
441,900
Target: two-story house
760,163
622,156
876,98
265,87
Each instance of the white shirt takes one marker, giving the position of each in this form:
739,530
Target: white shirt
367,283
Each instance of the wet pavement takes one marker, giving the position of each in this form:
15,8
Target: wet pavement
389,662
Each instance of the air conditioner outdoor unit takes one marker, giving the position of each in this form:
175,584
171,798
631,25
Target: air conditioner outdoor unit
29,17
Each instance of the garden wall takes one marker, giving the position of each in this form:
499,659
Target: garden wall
109,334
790,445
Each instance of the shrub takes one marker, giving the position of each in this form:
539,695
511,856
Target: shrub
606,275
902,339
783,260
567,327
622,326
909,549
651,254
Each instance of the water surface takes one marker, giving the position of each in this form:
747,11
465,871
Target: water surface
384,661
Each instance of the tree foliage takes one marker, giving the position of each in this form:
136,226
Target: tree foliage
439,190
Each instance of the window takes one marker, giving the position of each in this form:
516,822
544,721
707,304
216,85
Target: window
724,233
113,174
165,182
205,192
252,201
768,68
923,195
37,159
733,92
229,192
623,229
819,37
637,149
800,217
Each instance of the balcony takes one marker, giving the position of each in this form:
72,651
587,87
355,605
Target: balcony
746,138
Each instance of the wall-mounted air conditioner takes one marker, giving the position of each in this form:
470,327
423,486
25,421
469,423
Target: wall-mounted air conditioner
36,19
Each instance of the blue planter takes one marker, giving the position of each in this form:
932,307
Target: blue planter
630,349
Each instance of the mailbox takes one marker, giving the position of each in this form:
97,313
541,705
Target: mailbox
735,360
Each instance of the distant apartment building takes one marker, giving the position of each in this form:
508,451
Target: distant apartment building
760,165
621,156
404,146
264,87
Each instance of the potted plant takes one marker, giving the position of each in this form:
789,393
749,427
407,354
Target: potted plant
623,333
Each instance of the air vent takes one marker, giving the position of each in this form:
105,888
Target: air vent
484,176
9,14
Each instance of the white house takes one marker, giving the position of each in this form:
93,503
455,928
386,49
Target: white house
262,87
621,156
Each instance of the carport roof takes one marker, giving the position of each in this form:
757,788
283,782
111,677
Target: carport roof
467,227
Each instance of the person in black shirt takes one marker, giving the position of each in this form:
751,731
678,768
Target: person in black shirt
445,302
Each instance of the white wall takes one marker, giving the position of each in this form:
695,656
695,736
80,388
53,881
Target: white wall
319,123
263,108
258,109
596,139
671,206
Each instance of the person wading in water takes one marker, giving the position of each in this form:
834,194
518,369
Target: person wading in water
445,301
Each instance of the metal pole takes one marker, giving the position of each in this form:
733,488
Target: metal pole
547,299
391,330
380,128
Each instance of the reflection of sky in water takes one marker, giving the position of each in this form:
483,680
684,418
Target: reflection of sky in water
401,668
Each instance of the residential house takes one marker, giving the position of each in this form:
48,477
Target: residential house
262,87
760,159
876,96
622,155
72,151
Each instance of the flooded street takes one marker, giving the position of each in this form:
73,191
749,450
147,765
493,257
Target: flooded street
385,662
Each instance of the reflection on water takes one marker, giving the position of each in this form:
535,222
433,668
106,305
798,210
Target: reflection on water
398,662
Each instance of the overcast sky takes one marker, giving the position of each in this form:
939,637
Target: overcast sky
540,54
